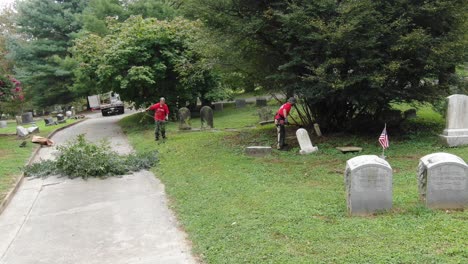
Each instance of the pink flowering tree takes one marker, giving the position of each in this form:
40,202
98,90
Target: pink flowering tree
11,95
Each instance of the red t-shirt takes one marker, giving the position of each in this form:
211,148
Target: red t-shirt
160,111
287,106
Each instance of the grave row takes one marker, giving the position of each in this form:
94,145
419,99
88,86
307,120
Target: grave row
442,183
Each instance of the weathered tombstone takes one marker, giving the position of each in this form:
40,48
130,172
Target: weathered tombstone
49,121
206,117
443,181
68,114
240,103
73,111
184,119
456,130
18,120
410,113
218,106
317,130
265,114
368,181
21,131
304,142
27,118
33,129
260,102
60,118
3,124
257,151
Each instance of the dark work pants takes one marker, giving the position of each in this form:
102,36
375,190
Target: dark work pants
160,128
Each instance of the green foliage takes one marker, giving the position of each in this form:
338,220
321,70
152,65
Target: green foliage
291,208
84,159
348,60
144,59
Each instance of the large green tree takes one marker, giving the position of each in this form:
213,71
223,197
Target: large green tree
143,59
48,28
347,60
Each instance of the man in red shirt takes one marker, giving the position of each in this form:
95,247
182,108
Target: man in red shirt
281,119
161,115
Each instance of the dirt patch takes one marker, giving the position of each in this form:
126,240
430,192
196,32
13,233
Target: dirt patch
4,153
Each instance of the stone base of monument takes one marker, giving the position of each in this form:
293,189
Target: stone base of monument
33,129
257,151
308,150
454,137
345,150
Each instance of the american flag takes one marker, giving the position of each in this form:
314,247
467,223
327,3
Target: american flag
383,139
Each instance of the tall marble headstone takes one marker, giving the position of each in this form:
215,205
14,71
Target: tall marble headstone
27,118
304,142
206,117
456,130
184,119
443,181
240,103
368,181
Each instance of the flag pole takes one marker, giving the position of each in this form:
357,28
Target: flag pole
383,147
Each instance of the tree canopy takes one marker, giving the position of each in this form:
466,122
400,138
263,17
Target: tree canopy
143,59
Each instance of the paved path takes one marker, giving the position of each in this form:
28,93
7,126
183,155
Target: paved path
116,220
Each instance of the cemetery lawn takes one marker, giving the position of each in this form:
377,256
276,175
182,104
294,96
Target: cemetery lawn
13,158
288,208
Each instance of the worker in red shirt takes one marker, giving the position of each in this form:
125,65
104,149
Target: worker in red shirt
161,115
281,118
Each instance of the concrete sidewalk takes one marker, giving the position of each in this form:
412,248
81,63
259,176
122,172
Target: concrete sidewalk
116,220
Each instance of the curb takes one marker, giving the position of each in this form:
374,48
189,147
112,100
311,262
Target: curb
4,203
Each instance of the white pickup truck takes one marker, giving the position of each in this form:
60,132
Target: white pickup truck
108,103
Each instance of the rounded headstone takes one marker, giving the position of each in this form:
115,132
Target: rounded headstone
184,118
206,117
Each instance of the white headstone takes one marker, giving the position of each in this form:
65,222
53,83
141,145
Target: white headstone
368,181
33,129
3,124
317,130
304,142
21,131
456,130
68,114
443,181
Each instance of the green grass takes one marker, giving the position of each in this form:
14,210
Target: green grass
13,157
288,208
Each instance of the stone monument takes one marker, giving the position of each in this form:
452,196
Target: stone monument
27,118
456,130
368,181
61,118
19,120
33,129
3,124
261,102
21,131
443,181
184,119
304,142
206,117
240,103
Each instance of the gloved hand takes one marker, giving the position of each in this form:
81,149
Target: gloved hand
167,118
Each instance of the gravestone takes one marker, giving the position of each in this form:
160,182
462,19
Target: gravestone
33,129
410,113
68,114
218,106
240,103
73,111
18,120
3,124
261,102
318,132
304,142
184,119
368,181
456,130
443,181
27,118
49,121
206,117
21,131
60,118
265,114
257,151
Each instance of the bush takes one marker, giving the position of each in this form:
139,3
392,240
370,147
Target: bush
85,159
